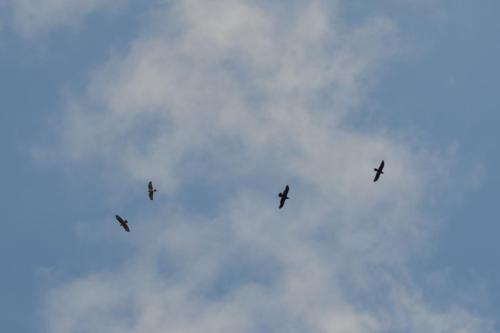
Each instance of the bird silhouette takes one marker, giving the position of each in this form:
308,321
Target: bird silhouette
379,171
284,196
151,190
123,223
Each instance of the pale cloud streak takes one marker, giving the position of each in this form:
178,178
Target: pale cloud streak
223,93
33,17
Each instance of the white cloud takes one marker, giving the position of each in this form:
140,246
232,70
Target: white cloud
32,17
224,93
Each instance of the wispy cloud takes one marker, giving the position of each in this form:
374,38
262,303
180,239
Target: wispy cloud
32,17
228,92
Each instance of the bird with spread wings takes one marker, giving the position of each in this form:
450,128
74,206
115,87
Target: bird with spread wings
151,190
284,196
379,171
123,223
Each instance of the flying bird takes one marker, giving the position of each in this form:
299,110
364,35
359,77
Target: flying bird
151,190
379,171
123,223
284,196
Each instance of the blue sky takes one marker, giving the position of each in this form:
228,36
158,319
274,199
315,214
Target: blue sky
424,88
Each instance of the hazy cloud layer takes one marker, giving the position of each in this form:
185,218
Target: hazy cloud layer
31,17
222,94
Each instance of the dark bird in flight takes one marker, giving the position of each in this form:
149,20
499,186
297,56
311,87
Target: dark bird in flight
379,171
151,190
123,223
284,196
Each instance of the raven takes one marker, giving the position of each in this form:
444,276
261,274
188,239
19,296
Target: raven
123,223
284,196
151,190
379,171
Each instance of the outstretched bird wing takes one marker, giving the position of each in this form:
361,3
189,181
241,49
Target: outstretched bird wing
150,186
125,226
282,202
381,167
119,219
377,176
285,192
